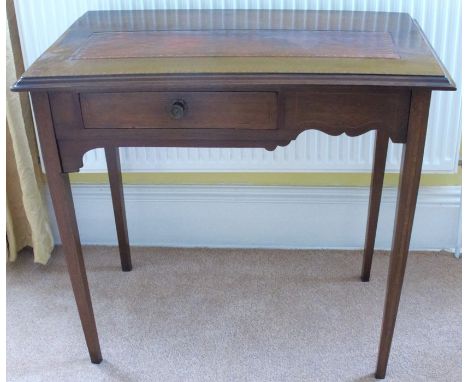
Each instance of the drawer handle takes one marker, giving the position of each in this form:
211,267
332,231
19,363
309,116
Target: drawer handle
177,109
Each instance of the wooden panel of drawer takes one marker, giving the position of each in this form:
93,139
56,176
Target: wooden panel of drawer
202,110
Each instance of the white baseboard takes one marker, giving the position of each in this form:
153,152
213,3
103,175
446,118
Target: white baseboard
260,216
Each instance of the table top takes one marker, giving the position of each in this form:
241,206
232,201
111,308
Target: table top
327,47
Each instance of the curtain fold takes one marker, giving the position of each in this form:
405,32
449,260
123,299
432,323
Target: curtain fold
26,212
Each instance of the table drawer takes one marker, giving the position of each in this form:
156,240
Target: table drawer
180,110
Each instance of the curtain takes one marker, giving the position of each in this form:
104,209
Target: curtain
26,212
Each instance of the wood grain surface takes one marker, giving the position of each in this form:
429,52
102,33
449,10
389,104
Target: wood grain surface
203,110
212,46
237,43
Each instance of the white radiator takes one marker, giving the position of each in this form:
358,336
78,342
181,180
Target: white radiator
41,22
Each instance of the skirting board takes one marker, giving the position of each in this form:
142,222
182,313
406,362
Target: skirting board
260,216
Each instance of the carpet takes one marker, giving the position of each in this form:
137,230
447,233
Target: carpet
233,315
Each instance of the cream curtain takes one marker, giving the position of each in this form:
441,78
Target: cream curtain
27,218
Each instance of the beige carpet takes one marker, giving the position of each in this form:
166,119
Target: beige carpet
233,315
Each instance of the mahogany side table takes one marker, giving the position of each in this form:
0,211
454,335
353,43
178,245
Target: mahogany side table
232,79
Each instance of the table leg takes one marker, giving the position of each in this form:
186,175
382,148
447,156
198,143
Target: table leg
406,204
60,191
378,173
115,181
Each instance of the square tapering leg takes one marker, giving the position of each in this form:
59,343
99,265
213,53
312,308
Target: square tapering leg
406,205
60,191
115,181
378,173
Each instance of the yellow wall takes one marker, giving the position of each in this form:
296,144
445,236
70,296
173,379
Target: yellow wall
266,179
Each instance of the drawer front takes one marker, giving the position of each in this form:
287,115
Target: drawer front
180,110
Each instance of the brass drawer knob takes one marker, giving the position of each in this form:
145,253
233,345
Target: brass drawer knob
177,109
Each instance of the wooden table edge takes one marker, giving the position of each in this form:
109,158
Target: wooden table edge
231,79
